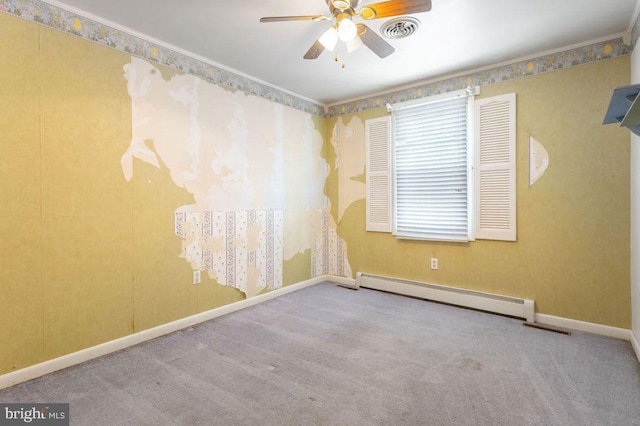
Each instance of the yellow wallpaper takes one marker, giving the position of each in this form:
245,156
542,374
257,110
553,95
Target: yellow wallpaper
86,209
572,253
21,301
88,255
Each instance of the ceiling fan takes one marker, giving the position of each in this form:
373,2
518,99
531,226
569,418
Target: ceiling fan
354,35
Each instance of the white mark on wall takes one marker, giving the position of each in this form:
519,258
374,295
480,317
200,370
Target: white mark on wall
187,96
138,86
538,160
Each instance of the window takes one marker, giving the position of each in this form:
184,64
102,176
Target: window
443,168
430,168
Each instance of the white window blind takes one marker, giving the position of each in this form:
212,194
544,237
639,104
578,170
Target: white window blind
496,135
431,165
378,162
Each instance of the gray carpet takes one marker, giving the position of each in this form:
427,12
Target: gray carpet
331,356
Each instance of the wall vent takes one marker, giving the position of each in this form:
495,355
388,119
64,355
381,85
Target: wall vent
400,27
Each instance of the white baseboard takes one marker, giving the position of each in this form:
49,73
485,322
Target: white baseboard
604,330
48,367
636,346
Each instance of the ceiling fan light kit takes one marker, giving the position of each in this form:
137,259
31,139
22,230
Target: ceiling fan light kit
355,35
354,44
329,39
347,30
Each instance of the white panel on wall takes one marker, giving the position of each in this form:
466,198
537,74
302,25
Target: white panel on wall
538,160
496,167
378,186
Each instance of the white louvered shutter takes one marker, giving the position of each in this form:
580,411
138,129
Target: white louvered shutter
378,137
431,170
496,168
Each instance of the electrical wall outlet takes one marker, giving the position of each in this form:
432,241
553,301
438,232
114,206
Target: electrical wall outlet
196,277
434,263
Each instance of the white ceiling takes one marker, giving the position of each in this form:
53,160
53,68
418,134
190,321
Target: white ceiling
455,36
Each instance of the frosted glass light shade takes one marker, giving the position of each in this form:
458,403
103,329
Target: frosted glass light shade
329,39
354,44
347,30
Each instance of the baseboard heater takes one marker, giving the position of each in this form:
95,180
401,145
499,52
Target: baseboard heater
506,305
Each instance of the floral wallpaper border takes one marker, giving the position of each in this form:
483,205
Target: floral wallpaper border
556,61
54,17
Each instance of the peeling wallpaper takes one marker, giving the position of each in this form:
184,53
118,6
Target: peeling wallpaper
253,167
121,177
348,142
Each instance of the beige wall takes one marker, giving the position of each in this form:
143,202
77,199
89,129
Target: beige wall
21,300
87,256
572,253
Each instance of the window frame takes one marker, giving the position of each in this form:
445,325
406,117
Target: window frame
491,155
469,93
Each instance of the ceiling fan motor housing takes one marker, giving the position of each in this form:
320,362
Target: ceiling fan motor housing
341,4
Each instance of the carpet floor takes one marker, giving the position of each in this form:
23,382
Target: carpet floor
327,355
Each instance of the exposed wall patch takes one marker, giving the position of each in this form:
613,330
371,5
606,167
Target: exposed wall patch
538,160
253,167
348,141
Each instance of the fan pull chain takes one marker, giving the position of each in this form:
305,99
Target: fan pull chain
337,57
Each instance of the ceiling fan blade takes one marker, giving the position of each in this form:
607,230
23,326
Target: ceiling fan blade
374,42
386,9
314,51
294,18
